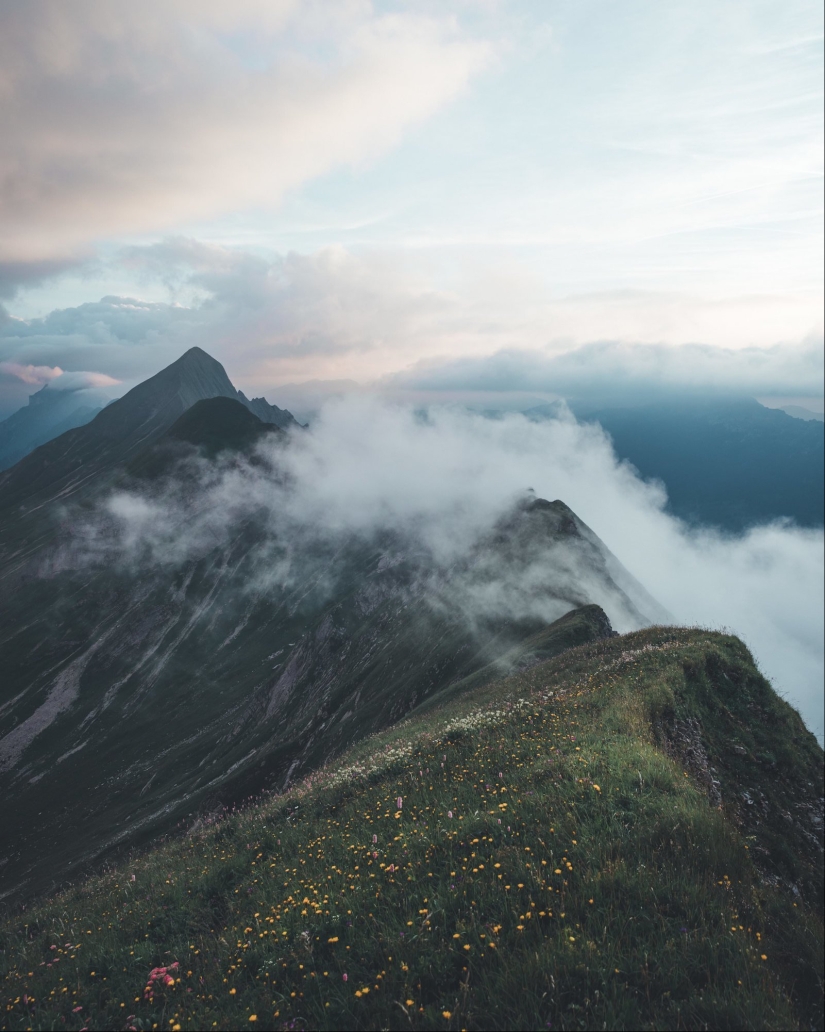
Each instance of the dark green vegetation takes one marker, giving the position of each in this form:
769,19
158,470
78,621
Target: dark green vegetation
731,462
627,836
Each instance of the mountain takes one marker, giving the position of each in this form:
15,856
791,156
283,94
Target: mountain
244,647
208,428
625,836
48,414
268,413
77,459
340,778
726,462
138,692
798,412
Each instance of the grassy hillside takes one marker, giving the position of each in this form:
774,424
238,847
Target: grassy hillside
624,836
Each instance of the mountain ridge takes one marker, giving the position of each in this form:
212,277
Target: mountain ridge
65,465
627,835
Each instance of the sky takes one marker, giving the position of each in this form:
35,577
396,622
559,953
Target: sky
414,196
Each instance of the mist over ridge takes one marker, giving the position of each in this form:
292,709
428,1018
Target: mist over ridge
439,479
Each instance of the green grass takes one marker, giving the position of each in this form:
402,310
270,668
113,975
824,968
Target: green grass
550,867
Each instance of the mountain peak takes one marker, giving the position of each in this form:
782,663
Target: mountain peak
196,357
126,427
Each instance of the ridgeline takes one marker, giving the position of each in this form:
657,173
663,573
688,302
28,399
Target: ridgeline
627,836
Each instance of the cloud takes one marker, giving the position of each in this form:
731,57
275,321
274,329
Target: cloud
439,482
81,380
15,275
17,379
387,319
31,374
608,367
126,119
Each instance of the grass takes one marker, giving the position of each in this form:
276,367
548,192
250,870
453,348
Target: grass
533,854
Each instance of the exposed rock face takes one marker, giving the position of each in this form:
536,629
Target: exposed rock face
682,740
269,413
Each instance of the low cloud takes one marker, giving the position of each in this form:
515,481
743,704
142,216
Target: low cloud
440,482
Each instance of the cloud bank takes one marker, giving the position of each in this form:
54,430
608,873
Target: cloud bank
618,367
387,321
442,480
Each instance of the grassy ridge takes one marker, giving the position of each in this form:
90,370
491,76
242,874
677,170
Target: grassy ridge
544,852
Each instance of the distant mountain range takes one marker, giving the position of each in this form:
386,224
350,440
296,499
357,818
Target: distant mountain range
135,693
725,462
48,414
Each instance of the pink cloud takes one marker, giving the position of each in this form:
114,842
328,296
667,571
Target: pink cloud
31,373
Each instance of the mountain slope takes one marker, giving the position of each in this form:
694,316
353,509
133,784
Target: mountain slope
49,413
267,413
209,427
728,462
77,459
134,696
628,836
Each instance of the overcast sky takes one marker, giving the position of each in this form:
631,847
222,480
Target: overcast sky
364,191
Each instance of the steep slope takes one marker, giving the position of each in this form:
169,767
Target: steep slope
628,836
210,427
134,696
79,458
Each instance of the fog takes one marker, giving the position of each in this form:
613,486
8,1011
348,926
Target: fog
442,478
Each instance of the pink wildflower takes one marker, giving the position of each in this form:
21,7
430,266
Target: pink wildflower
399,802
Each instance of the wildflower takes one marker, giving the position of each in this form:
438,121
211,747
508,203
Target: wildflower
450,814
399,802
334,938
446,1014
410,1003
232,992
345,976
252,1017
374,839
597,788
